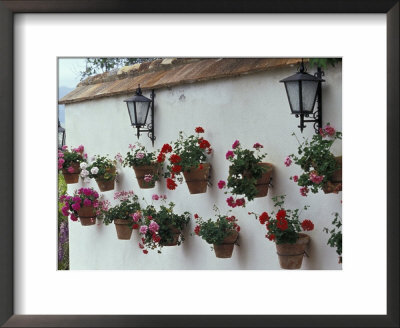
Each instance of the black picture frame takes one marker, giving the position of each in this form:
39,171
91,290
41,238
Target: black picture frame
7,11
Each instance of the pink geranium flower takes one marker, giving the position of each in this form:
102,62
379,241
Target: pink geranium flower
229,154
288,161
315,178
304,191
258,145
221,184
87,202
236,144
143,229
71,169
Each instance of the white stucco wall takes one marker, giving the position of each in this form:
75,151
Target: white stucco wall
252,108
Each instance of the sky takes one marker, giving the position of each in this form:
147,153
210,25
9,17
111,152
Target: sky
68,71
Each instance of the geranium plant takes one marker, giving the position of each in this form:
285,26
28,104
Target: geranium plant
189,153
283,226
70,160
145,164
216,231
139,156
84,198
244,172
335,235
316,160
161,227
100,168
127,206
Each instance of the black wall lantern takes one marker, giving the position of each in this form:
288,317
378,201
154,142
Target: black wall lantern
61,136
139,107
303,90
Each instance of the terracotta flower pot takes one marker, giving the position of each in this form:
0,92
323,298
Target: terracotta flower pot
225,249
87,215
197,179
175,235
106,185
263,182
141,171
124,229
335,184
291,255
71,178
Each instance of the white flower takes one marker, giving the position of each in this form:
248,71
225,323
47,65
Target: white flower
94,170
86,180
84,173
83,165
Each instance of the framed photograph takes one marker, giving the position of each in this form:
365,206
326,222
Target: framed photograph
259,45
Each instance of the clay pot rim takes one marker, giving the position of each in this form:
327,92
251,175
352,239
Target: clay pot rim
146,166
122,222
205,165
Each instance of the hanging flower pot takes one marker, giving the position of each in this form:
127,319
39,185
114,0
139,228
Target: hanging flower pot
197,178
106,184
175,237
146,175
335,183
263,182
124,229
145,164
283,227
69,163
188,158
248,174
71,175
221,233
291,255
320,168
162,227
87,215
225,249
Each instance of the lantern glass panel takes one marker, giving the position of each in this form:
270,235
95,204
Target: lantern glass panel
60,138
131,109
141,112
309,94
292,89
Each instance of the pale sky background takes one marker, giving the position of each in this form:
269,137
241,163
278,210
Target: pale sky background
68,71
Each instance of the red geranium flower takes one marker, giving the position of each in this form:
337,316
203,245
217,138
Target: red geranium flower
171,185
209,151
237,228
240,202
270,237
175,158
156,238
200,166
282,224
203,144
145,251
196,216
263,217
199,129
197,230
176,168
135,226
160,158
307,225
166,148
281,214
